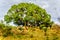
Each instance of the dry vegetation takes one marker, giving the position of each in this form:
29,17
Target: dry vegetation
21,33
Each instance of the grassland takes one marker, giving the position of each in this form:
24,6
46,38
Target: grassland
31,33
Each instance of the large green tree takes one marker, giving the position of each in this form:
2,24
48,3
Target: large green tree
28,13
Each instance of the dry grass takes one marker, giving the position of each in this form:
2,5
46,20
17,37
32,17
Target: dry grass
34,34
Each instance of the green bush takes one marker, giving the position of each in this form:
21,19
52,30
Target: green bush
7,31
4,35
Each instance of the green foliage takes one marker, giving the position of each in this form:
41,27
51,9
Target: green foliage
4,35
28,13
7,17
7,31
2,25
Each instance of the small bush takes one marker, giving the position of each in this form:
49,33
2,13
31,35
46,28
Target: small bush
7,32
4,35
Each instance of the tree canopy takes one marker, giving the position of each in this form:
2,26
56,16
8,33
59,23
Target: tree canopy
28,14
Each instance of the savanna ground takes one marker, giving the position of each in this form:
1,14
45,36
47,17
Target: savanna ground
30,33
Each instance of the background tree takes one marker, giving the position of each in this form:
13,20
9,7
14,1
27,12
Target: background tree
27,13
